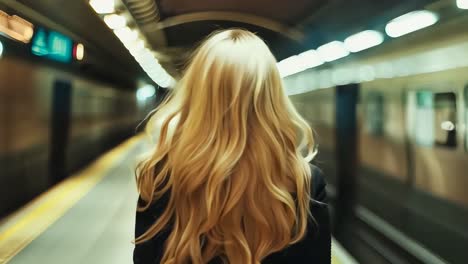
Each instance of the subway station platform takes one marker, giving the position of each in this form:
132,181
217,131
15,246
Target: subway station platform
88,218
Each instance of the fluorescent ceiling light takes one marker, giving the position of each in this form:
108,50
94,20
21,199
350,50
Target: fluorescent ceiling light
297,63
136,48
103,6
309,59
463,4
363,40
16,27
131,40
1,49
126,35
410,22
332,51
115,21
289,66
154,67
166,82
146,58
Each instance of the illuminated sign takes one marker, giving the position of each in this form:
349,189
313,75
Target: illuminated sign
52,45
15,27
78,51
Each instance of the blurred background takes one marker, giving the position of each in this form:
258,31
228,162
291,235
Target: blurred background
384,84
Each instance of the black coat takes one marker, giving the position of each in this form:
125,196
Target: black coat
314,248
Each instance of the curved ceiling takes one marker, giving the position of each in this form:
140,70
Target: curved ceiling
174,27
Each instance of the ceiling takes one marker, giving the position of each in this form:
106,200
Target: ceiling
289,27
287,12
174,27
105,54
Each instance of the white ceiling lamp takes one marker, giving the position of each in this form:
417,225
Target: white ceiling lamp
1,49
154,67
136,47
297,63
103,6
115,21
410,22
363,40
332,51
310,59
167,81
133,41
462,4
290,66
146,59
126,35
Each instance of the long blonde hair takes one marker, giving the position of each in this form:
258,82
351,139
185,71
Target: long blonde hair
232,155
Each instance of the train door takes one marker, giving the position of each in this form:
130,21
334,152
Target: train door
438,196
60,126
433,133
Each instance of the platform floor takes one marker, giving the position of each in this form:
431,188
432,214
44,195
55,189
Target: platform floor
88,218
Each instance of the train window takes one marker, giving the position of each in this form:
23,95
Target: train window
424,118
445,114
374,109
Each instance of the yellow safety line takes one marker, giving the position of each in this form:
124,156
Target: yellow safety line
340,255
53,204
335,260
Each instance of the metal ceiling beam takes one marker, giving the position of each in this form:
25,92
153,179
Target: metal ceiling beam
146,14
144,11
259,21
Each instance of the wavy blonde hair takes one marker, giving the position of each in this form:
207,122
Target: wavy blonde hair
231,155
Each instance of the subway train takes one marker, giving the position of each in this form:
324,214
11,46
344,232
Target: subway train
55,118
409,119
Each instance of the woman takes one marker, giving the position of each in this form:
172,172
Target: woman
229,180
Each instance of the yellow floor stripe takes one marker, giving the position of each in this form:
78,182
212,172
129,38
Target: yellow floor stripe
335,260
50,206
340,255
33,219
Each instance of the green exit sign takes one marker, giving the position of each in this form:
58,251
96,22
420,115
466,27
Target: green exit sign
52,45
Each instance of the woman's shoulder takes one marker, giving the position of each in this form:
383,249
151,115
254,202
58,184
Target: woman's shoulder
318,184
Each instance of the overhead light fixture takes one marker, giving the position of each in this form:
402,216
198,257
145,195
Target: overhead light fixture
79,51
297,63
115,21
289,66
136,47
126,35
16,27
410,22
1,49
146,59
363,40
133,41
462,4
332,51
310,59
103,6
167,81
